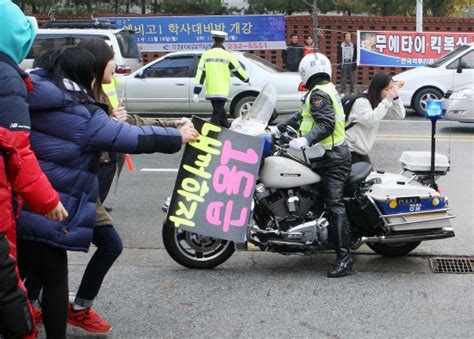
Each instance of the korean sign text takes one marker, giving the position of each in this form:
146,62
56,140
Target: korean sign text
407,49
215,184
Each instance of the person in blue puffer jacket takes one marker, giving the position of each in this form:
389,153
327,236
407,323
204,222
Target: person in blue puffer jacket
69,130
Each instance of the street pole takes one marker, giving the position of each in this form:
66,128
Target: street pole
419,15
52,11
433,154
315,25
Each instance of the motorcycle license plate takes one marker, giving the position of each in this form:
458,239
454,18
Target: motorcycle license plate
409,204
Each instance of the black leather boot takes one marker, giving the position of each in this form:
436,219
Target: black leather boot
344,261
343,267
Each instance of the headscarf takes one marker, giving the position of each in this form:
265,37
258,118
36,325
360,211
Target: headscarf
17,31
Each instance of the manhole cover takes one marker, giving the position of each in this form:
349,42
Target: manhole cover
452,265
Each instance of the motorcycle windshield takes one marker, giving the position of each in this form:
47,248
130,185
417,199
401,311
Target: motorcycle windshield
264,105
256,120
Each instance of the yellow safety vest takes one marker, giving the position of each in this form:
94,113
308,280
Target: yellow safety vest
308,123
216,64
110,91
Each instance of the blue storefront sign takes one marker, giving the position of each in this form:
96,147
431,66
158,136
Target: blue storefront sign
245,32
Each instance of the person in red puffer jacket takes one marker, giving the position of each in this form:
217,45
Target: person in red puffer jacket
21,178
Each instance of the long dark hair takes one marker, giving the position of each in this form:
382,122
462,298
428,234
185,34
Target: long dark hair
102,53
378,83
71,62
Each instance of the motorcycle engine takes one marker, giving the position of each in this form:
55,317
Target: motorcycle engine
285,207
288,220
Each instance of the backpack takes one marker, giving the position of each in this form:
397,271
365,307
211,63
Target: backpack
347,103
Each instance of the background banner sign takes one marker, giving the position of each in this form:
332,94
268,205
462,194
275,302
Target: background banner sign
216,181
167,34
406,49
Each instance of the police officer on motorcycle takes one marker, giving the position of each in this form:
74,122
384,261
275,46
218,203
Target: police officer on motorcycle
322,120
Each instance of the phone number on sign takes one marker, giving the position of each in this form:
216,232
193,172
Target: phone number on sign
249,45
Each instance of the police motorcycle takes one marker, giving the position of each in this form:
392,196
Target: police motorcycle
391,213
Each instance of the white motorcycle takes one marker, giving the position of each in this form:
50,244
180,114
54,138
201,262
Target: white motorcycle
391,213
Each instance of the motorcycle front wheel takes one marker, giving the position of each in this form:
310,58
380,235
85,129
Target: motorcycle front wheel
192,250
393,250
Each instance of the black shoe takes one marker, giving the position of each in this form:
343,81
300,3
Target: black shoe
342,268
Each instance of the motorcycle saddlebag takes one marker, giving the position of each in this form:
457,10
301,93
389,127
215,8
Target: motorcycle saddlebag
363,217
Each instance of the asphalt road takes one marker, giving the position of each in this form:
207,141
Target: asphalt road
264,295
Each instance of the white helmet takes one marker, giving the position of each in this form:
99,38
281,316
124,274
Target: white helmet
313,64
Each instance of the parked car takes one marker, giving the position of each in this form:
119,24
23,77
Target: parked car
450,73
165,86
460,105
127,54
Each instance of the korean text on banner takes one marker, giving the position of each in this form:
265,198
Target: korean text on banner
168,34
215,184
407,49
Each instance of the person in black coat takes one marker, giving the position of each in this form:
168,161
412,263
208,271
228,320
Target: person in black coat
293,54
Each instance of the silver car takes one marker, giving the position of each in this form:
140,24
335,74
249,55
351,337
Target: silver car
126,52
460,105
165,86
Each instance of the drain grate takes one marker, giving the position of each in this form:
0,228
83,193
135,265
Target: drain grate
452,265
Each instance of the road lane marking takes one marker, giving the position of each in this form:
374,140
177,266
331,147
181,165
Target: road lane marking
426,121
159,170
399,137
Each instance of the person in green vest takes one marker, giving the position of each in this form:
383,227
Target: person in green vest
322,120
216,66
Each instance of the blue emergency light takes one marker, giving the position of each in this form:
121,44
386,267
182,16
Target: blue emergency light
434,109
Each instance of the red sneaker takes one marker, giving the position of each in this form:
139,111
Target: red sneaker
37,314
88,320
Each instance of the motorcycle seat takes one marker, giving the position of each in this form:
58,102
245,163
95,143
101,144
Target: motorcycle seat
359,171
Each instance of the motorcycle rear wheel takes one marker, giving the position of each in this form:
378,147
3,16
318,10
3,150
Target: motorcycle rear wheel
394,250
195,251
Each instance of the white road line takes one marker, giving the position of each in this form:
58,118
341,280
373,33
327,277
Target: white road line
423,121
159,170
414,137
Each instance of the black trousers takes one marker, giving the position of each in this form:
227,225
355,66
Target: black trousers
219,115
333,181
49,264
15,317
109,246
347,71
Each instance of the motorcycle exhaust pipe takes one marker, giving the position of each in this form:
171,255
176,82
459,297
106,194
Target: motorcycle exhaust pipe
446,232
